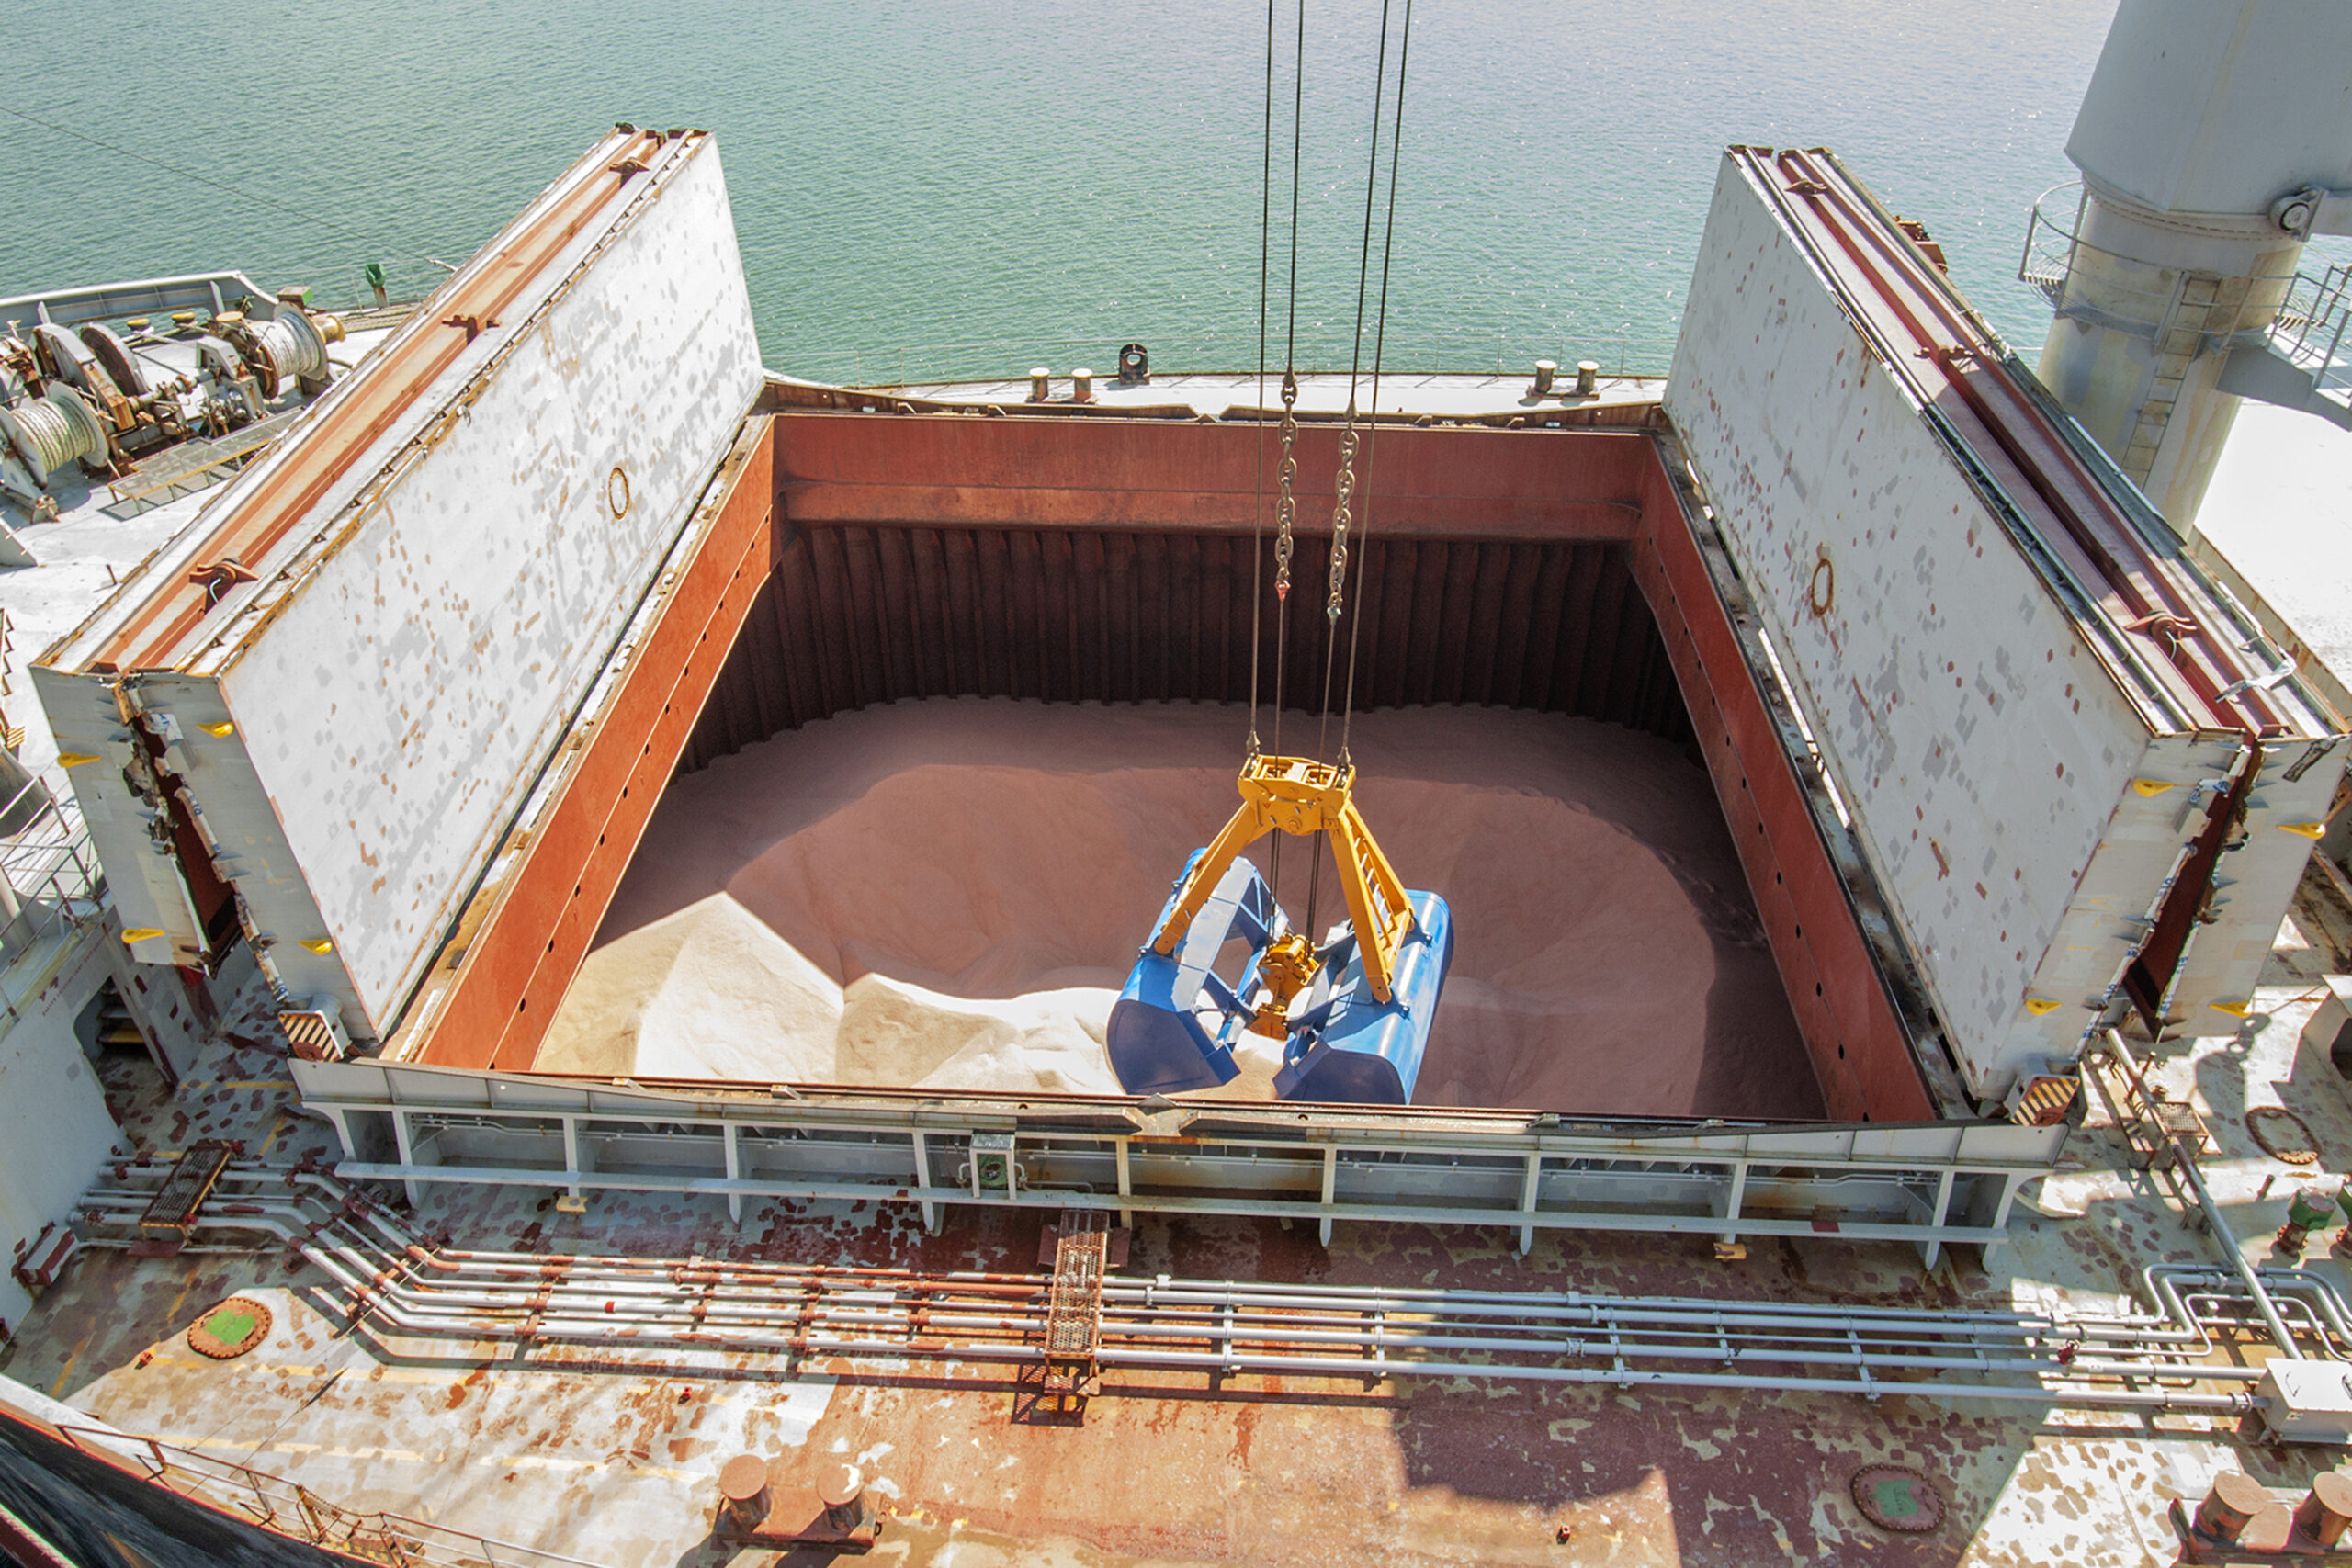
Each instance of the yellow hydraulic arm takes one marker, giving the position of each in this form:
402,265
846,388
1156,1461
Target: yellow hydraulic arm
1303,797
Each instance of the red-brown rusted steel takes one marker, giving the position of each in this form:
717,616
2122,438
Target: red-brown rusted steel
1859,1048
856,615
1072,601
2173,619
19,1542
1167,479
525,952
348,426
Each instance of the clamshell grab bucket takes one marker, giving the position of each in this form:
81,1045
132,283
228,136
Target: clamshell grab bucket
1348,1046
1156,1040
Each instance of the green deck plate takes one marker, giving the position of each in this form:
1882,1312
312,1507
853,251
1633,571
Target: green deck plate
228,1326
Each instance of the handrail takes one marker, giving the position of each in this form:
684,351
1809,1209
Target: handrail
2313,310
1209,353
286,1507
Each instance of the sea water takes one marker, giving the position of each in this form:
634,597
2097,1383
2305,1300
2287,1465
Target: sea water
930,187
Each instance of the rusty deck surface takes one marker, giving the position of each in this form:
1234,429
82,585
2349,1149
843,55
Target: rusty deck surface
613,1454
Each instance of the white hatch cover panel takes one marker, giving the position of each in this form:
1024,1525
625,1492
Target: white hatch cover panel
367,717
1985,732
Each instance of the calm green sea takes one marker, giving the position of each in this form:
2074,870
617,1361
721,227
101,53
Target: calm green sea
952,186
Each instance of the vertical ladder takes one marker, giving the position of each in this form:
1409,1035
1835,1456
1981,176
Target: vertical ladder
1074,1307
2180,337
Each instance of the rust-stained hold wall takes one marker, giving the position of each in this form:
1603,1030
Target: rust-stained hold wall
921,555
1078,561
1851,1027
855,616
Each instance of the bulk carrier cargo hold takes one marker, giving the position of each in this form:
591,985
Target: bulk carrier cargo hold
1952,799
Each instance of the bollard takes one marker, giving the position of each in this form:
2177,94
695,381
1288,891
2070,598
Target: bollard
843,1492
1041,384
743,1488
2327,1510
1587,377
1544,370
1082,385
2235,1498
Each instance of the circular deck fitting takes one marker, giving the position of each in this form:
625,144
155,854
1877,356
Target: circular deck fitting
2231,1502
2282,1135
840,1486
2327,1512
233,1327
743,1478
1897,1497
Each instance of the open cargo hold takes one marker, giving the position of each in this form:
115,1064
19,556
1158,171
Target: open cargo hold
923,555
423,856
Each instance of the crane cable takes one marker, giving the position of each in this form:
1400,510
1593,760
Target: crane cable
1257,511
1335,602
1379,347
1286,476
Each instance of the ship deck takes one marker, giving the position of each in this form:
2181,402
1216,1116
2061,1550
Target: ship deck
610,1454
106,527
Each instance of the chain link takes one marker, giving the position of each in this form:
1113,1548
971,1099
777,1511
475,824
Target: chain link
1286,507
1341,515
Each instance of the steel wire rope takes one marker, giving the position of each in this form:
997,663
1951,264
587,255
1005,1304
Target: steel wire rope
1287,508
1258,437
1379,348
1344,485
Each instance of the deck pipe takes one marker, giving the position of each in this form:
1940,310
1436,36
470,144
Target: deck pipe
2184,1161
373,1283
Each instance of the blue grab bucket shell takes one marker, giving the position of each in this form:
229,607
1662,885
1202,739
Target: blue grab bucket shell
1157,1042
1349,1048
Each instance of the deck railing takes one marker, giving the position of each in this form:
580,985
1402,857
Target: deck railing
927,365
289,1508
2308,329
50,874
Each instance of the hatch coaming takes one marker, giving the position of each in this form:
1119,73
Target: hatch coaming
1511,567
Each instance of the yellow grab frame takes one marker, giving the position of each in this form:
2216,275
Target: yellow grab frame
1302,797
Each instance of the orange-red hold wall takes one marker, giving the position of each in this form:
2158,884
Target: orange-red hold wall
811,476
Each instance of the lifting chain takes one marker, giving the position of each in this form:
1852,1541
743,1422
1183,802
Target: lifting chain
1287,508
1340,516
